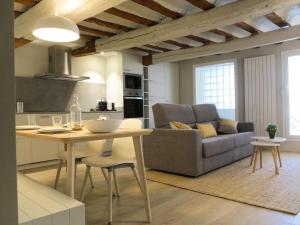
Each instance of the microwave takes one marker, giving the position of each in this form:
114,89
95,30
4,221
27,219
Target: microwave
133,84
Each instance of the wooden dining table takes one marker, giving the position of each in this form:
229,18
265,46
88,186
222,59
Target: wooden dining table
69,139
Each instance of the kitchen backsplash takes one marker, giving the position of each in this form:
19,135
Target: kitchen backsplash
56,96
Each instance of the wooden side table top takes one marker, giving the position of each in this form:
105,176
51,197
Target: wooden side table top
264,144
267,139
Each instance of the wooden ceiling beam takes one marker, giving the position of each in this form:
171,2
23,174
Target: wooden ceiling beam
277,20
158,48
202,4
198,22
228,36
155,6
145,50
178,44
88,49
19,42
205,5
263,39
108,24
169,13
245,26
199,39
131,17
26,2
17,13
95,31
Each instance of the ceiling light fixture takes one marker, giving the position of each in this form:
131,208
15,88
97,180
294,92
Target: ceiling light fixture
56,29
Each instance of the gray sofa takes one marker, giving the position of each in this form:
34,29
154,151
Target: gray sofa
184,151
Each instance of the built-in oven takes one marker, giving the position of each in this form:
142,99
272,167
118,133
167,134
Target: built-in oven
133,84
133,106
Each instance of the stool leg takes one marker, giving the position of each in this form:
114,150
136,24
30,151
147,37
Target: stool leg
58,173
110,195
255,158
87,172
275,160
279,157
91,179
116,183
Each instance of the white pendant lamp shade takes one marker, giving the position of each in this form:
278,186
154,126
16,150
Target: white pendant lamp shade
56,29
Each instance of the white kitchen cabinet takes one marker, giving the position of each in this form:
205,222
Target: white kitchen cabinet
163,85
42,150
23,150
132,63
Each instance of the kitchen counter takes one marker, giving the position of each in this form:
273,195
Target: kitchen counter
68,112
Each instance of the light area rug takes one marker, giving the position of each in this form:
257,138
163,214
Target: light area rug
236,182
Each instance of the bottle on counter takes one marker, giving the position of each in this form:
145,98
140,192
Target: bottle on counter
75,114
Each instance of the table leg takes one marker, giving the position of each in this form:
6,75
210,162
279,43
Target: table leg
274,153
255,158
141,170
252,156
279,157
70,170
260,157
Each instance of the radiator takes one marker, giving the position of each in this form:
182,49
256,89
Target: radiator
260,91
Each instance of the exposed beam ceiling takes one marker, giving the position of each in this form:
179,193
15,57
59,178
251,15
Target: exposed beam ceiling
26,2
19,42
260,40
202,4
199,22
130,17
86,9
245,26
147,22
155,6
95,31
277,20
108,24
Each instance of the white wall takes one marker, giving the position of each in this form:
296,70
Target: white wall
114,79
8,186
186,77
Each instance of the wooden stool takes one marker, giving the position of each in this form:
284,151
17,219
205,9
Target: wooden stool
258,150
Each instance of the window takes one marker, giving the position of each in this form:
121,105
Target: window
215,84
293,63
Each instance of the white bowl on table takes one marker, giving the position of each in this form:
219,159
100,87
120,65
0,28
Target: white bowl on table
102,126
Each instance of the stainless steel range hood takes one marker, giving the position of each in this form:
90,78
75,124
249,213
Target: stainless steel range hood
60,66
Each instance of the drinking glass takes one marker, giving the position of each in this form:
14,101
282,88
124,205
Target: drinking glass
31,120
56,120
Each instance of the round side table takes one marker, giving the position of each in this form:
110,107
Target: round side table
258,145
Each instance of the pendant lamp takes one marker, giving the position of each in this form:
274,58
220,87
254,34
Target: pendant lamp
56,29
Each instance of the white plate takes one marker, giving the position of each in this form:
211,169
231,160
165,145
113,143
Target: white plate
53,130
27,127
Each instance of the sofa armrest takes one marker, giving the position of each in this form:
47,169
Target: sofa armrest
175,151
245,127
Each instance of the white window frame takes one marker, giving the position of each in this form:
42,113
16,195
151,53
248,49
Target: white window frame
285,96
234,61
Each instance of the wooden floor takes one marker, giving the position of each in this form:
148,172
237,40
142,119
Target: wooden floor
170,205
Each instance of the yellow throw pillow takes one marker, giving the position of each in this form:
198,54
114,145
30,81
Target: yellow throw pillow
227,126
179,126
207,130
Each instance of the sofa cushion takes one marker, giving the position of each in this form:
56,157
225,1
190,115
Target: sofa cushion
206,113
217,145
241,139
179,126
165,113
207,130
